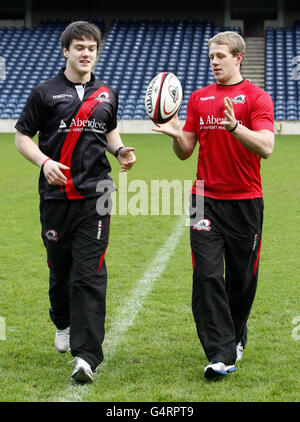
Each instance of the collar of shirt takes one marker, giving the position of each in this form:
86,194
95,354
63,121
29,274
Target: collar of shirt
68,82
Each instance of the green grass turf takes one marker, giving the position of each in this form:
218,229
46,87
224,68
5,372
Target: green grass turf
159,358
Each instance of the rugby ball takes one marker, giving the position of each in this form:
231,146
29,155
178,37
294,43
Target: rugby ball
163,97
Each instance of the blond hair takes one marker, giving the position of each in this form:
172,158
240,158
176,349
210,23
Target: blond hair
235,42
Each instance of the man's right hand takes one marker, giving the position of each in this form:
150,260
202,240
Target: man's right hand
52,171
171,128
183,142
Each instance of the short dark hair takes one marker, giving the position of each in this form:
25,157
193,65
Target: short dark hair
80,30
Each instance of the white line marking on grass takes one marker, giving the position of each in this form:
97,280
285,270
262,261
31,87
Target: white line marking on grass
2,328
127,313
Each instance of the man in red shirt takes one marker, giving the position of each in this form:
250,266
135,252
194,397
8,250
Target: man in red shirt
233,121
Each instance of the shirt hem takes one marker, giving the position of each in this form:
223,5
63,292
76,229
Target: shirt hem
65,198
229,197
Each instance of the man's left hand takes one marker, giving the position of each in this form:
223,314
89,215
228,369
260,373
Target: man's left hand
230,121
126,158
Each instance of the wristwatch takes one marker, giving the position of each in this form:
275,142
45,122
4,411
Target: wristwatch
117,151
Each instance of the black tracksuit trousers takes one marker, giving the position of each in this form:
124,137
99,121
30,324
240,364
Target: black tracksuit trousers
229,233
76,238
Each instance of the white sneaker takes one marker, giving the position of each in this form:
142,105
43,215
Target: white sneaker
82,371
214,370
239,351
62,340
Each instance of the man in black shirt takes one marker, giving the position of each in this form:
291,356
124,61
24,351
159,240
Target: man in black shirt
75,115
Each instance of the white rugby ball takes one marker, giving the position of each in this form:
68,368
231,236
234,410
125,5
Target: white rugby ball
163,97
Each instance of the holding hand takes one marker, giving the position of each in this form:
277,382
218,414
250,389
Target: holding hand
126,158
171,128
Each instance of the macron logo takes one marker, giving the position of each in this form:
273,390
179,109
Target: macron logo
58,96
212,97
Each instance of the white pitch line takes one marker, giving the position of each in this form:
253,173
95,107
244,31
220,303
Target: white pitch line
127,313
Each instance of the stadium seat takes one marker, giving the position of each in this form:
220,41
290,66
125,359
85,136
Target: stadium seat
133,53
31,56
282,46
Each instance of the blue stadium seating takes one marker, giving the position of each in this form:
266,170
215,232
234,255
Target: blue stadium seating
133,53
31,56
282,54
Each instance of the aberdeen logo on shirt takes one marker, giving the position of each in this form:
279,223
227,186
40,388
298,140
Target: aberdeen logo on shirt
213,122
239,99
78,125
62,125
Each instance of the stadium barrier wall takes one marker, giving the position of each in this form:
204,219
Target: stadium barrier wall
145,126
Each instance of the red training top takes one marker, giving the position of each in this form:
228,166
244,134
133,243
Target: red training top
228,169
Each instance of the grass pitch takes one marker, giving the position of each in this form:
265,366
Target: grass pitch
159,357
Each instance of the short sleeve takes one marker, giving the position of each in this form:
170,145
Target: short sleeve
112,123
262,112
189,125
33,115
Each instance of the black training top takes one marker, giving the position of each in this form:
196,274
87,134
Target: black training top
72,131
